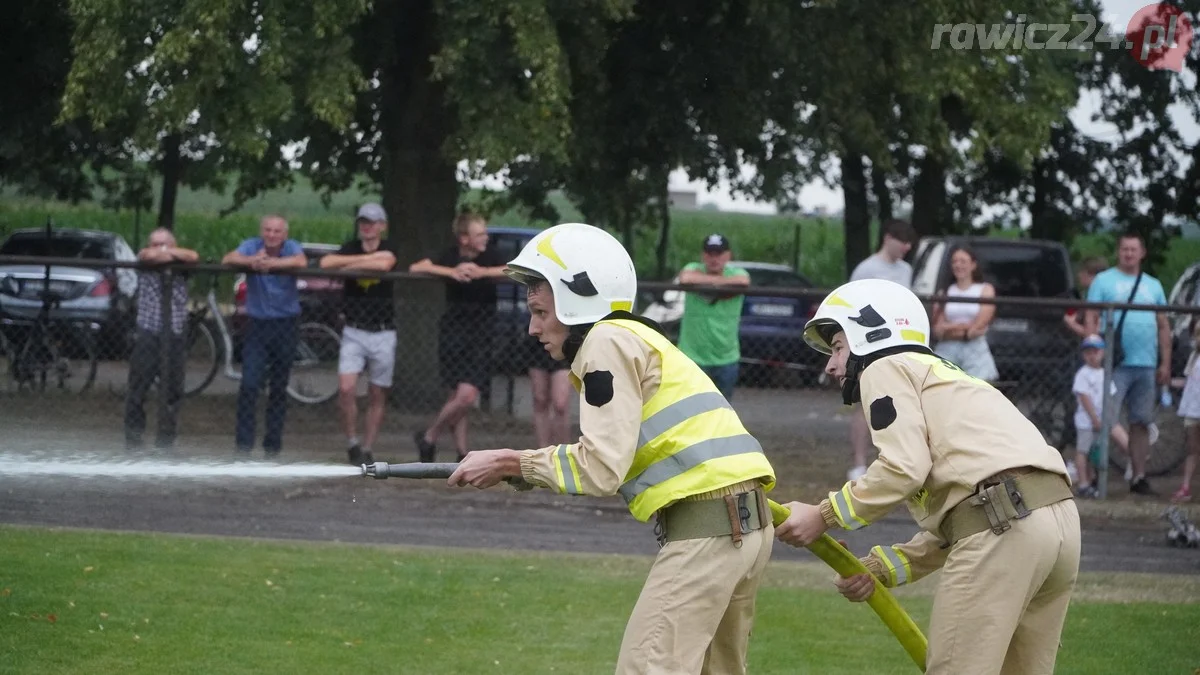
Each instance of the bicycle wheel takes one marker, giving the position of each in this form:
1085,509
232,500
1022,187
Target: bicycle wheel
314,377
202,357
1166,454
57,357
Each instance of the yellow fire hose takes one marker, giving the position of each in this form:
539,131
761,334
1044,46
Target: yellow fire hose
882,601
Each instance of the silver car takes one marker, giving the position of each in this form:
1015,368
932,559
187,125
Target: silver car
101,299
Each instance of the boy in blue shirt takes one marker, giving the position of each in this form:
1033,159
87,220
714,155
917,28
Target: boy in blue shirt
268,349
1145,339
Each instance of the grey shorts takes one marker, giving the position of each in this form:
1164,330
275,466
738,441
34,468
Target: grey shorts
973,356
1136,389
365,349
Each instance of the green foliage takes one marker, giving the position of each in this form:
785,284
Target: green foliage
98,602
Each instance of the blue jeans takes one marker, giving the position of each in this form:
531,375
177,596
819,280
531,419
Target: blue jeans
268,351
1135,387
724,377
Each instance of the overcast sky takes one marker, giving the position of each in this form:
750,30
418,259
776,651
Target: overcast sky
1117,12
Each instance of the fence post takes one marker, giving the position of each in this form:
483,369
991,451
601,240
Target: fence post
166,333
1108,411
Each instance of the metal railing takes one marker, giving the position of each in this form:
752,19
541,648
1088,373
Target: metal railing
69,339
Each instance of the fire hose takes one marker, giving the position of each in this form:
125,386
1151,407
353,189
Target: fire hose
826,548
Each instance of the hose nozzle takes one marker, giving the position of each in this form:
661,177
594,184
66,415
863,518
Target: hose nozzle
378,470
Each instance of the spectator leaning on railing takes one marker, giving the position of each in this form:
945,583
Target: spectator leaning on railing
961,326
145,360
1142,343
470,269
1076,319
369,337
273,305
708,332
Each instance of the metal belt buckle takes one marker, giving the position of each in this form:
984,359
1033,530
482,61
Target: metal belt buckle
744,511
660,528
1014,496
986,500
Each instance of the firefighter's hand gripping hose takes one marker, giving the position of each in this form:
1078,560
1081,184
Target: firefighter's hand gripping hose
882,601
826,548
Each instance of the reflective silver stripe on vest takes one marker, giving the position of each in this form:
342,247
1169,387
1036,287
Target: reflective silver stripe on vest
564,464
896,564
689,458
678,412
842,508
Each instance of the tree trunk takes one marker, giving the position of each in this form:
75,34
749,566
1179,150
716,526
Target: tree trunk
1039,212
664,226
857,218
171,169
420,194
883,195
929,215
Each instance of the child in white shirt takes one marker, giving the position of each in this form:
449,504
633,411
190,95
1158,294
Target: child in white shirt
1089,383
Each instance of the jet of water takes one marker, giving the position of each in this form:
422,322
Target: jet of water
84,466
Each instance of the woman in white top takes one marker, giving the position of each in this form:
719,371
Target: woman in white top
961,327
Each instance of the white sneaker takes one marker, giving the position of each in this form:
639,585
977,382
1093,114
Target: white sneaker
856,473
1128,471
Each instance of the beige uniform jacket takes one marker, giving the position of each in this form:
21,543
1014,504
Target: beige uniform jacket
608,420
940,432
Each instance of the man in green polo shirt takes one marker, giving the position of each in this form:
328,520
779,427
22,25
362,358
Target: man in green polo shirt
708,333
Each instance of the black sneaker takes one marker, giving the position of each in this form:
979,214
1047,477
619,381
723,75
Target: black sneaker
1141,486
355,454
426,451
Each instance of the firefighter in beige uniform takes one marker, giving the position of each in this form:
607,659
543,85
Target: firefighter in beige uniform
656,431
992,499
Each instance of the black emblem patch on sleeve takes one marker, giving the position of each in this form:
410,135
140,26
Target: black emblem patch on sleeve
598,387
883,413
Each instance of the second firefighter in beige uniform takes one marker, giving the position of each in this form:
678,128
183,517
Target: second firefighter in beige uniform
992,498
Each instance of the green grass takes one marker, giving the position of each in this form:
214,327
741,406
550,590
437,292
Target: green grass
815,246
95,602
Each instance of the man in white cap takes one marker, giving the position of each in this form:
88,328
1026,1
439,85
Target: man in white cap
369,336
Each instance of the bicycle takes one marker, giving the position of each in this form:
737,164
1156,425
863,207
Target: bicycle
209,349
53,352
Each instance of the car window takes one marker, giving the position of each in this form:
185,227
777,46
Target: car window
59,246
507,245
777,278
1025,271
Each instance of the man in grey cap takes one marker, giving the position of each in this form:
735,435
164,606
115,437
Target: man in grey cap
369,335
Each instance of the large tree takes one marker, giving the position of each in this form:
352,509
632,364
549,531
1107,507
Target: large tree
198,83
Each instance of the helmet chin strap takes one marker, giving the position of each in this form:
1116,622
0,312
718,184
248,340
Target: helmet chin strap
575,337
855,365
850,391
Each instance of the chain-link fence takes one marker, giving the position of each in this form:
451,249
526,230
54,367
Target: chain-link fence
82,337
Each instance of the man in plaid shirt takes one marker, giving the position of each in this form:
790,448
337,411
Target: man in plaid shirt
144,362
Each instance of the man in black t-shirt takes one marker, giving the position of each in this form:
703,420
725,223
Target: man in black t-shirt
464,332
369,336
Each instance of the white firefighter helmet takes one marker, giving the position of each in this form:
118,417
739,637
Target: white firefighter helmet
875,315
589,271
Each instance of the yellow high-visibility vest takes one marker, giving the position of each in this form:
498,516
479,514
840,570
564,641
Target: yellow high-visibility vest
691,441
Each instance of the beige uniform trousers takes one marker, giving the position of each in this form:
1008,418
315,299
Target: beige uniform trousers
697,608
1002,599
